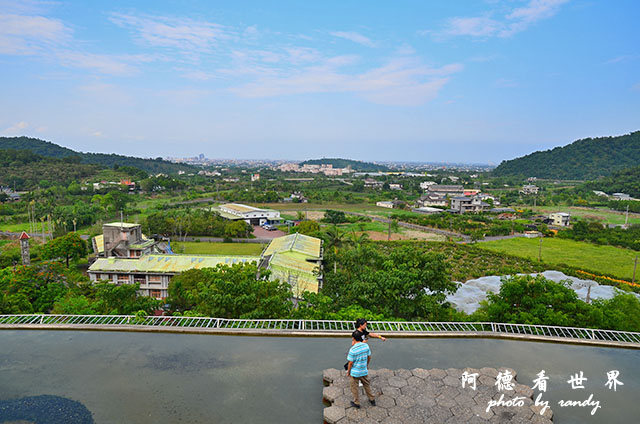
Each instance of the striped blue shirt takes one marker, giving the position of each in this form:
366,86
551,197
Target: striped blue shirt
358,354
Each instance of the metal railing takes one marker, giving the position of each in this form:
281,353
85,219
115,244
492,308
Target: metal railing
321,326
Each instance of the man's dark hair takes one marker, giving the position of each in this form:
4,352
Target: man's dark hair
360,321
357,336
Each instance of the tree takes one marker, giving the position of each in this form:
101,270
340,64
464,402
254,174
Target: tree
536,300
308,228
391,282
32,288
122,299
69,246
333,240
334,217
237,228
237,291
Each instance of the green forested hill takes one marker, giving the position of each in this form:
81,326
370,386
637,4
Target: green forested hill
25,170
589,158
343,163
625,181
48,149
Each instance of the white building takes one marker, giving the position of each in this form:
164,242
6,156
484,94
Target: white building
425,184
385,204
561,219
621,196
395,186
529,189
464,204
250,214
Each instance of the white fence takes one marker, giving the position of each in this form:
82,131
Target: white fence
320,326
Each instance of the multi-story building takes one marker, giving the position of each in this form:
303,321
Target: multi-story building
295,259
446,190
464,204
561,219
124,240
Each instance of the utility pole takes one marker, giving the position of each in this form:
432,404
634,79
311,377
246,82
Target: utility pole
626,218
389,228
635,265
540,249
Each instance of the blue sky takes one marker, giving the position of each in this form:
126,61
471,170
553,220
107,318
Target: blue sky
464,81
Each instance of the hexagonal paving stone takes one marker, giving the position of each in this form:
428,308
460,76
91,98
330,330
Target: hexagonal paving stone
333,414
452,381
438,373
425,401
330,374
405,401
356,414
384,401
330,393
491,372
481,411
390,391
377,413
412,391
406,374
384,373
420,372
445,401
397,382
414,381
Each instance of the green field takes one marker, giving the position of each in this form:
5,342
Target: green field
585,256
205,248
606,216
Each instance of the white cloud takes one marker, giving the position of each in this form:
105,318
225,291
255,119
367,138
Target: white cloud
489,25
28,35
183,34
354,36
51,40
399,82
17,128
104,64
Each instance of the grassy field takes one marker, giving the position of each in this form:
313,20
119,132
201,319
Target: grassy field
606,216
204,248
586,256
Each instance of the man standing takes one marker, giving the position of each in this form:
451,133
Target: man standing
361,327
359,357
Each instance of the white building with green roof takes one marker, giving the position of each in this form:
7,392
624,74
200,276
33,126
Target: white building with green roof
295,259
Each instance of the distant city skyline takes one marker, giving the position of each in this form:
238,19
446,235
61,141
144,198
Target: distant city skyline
409,81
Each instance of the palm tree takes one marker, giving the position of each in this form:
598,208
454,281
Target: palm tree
358,239
335,238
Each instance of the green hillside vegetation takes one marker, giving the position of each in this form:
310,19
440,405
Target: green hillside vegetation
583,159
356,165
624,181
52,150
25,170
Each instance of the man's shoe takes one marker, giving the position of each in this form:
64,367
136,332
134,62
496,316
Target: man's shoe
373,402
355,405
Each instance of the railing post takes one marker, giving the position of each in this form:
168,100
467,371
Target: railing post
493,327
41,319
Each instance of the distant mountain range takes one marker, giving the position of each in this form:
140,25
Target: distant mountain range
356,165
589,158
48,149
